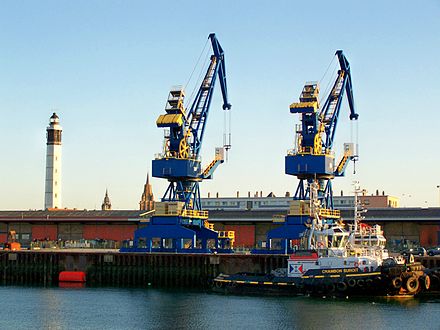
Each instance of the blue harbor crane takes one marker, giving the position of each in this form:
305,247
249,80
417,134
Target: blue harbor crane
312,160
179,224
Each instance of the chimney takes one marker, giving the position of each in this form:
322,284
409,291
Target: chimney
383,193
238,194
216,195
261,193
209,195
377,192
287,194
249,194
342,193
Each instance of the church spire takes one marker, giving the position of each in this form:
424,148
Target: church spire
106,204
147,199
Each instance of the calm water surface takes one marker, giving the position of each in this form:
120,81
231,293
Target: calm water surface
110,308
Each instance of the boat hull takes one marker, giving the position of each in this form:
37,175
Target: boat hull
388,281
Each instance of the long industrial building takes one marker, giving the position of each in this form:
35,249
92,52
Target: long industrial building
249,217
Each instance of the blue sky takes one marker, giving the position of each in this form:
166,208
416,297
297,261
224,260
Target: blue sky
106,67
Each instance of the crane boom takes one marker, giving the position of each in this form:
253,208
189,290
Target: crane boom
199,110
329,114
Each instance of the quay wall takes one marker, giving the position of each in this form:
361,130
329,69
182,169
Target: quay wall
111,268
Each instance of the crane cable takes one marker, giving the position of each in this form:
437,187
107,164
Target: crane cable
356,144
227,132
197,63
331,62
330,81
201,73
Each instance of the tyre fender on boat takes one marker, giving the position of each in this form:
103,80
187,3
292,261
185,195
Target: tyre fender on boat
341,286
360,283
351,282
330,287
412,284
425,281
396,282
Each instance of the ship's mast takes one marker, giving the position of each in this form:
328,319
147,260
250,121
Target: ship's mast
358,211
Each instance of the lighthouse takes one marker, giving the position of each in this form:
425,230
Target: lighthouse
52,197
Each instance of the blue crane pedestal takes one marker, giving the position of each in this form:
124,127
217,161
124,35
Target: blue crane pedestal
178,234
287,236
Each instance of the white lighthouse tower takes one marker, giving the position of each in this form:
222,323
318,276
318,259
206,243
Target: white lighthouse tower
52,197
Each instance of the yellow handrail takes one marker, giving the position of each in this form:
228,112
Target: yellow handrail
194,213
330,213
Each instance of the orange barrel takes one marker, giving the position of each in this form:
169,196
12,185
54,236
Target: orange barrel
72,277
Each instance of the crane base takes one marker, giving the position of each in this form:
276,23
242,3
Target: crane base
172,234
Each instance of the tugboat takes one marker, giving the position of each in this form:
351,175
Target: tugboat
335,259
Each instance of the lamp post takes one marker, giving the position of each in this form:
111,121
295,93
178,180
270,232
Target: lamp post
438,187
407,197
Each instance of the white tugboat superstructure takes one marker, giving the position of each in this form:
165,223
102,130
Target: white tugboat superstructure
336,245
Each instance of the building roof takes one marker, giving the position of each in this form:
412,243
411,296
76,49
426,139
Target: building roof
372,215
71,215
403,214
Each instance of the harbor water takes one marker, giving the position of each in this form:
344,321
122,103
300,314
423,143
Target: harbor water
150,308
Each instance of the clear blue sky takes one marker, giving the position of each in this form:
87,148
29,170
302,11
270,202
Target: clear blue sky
106,67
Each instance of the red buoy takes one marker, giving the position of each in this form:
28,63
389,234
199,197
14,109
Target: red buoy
72,277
